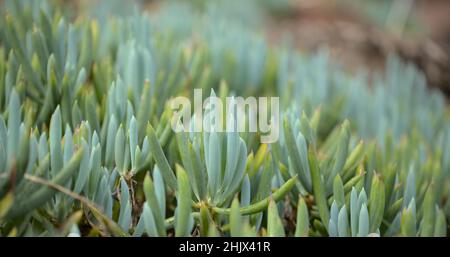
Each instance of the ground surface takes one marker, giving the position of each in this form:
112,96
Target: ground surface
356,41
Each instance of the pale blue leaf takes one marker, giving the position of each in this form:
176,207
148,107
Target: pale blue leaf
332,229
160,190
110,141
410,188
343,222
83,171
68,145
214,163
14,118
354,212
363,226
56,158
133,136
119,149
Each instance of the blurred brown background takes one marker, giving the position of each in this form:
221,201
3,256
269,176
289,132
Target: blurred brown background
362,33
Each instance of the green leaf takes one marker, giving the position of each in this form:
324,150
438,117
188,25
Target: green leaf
133,137
429,215
119,151
264,185
262,205
275,226
183,215
341,152
19,51
109,224
354,212
440,228
3,144
68,145
83,171
214,163
239,172
43,194
205,221
5,204
408,223
125,206
376,203
334,219
235,219
160,158
144,112
213,232
410,187
160,190
13,135
245,193
232,155
187,156
295,155
149,221
338,191
318,189
353,182
355,158
302,226
154,204
110,142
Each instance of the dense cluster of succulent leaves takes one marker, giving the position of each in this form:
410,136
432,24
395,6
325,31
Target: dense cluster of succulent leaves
86,146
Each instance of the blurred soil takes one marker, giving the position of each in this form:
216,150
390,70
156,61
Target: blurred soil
356,42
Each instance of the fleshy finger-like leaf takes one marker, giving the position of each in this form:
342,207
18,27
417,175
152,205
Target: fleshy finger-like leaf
275,226
183,215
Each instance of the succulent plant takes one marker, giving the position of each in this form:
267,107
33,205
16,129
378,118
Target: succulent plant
87,149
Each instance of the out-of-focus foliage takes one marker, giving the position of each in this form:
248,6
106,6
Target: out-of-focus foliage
86,146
